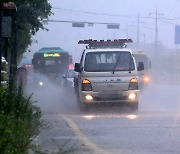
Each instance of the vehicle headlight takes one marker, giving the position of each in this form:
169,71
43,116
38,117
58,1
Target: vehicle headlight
89,97
41,83
146,79
132,96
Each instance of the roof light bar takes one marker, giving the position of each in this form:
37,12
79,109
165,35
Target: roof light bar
106,43
117,41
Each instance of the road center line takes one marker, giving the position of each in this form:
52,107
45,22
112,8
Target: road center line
93,147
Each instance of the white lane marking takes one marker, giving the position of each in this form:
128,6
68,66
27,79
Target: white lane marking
130,116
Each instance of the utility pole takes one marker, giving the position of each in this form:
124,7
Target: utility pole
138,30
13,63
138,23
156,30
144,41
1,40
127,31
11,8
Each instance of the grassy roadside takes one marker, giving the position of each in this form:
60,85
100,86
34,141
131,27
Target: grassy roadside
20,122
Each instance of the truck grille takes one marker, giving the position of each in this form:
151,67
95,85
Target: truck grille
110,98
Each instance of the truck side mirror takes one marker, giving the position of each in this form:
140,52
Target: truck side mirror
77,67
140,66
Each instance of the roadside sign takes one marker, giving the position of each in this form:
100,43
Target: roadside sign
113,26
177,34
78,24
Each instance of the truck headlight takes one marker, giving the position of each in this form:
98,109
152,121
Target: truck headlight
89,97
132,96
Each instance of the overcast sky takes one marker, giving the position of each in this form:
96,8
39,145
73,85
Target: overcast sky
65,36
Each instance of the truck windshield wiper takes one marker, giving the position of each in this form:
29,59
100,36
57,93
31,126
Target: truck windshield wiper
130,64
116,64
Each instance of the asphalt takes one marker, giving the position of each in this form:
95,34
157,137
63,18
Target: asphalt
153,129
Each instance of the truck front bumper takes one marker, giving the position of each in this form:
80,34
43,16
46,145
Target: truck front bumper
89,97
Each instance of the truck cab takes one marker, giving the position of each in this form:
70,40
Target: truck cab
107,73
144,76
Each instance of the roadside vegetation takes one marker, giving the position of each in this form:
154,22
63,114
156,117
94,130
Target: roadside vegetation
20,117
20,122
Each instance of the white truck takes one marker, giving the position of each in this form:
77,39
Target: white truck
144,76
107,73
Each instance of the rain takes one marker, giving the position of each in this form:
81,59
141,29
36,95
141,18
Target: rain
109,128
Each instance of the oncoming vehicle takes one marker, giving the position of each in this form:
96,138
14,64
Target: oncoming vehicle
27,64
107,74
49,64
68,80
144,76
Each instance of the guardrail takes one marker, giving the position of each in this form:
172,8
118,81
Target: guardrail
4,73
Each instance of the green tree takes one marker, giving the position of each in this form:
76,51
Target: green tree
27,21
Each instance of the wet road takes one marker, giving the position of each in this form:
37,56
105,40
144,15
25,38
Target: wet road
153,129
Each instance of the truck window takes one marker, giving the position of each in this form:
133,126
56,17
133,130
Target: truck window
108,61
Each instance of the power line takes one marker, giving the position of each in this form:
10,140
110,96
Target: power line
156,29
148,28
167,22
112,15
92,13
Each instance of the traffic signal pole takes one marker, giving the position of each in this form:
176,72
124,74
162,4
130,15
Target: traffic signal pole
156,32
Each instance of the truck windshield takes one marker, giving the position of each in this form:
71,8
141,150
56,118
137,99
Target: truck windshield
49,65
106,61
